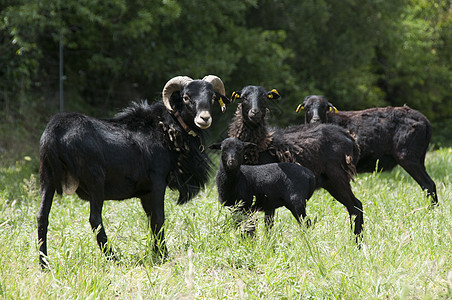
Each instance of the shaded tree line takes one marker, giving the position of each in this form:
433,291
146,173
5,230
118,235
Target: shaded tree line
357,53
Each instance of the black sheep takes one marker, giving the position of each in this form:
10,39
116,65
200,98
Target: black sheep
327,150
390,135
274,185
136,154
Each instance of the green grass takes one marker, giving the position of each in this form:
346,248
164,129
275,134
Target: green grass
406,253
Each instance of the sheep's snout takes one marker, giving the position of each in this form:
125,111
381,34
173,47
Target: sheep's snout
315,119
203,120
254,114
230,163
315,116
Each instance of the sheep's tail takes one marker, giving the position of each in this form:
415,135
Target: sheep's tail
428,131
428,136
51,169
351,159
54,169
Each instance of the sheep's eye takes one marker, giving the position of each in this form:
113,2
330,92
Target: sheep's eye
213,98
186,98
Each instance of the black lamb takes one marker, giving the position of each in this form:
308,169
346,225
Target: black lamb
274,185
390,135
136,154
327,150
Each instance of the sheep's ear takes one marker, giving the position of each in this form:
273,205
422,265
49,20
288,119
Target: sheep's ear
222,100
273,94
216,146
235,96
332,108
247,144
300,107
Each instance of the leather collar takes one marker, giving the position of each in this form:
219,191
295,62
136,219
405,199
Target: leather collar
184,125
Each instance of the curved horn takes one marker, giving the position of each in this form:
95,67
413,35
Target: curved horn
218,85
174,84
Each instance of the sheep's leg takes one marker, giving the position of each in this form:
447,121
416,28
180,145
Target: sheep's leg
342,192
250,223
153,205
269,218
47,193
418,172
95,219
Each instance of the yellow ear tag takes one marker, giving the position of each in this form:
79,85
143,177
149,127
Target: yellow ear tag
223,107
276,92
299,108
333,109
234,96
270,96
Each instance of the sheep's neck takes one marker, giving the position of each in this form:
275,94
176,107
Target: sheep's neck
228,182
248,133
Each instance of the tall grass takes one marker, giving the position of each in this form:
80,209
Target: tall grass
406,253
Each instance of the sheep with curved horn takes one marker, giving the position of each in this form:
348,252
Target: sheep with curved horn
138,153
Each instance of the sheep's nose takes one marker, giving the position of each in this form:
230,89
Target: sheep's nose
205,118
315,119
254,112
230,163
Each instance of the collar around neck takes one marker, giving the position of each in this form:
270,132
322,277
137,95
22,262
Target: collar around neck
184,125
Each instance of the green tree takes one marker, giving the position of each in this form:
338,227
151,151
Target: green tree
357,53
334,44
417,68
128,49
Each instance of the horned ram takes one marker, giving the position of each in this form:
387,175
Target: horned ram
138,153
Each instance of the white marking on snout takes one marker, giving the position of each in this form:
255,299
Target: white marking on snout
203,120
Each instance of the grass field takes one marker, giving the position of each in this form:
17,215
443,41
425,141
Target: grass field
406,253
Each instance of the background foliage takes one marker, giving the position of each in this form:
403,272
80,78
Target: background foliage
359,54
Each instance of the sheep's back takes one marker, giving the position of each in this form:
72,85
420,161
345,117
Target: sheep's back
323,148
389,130
277,182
